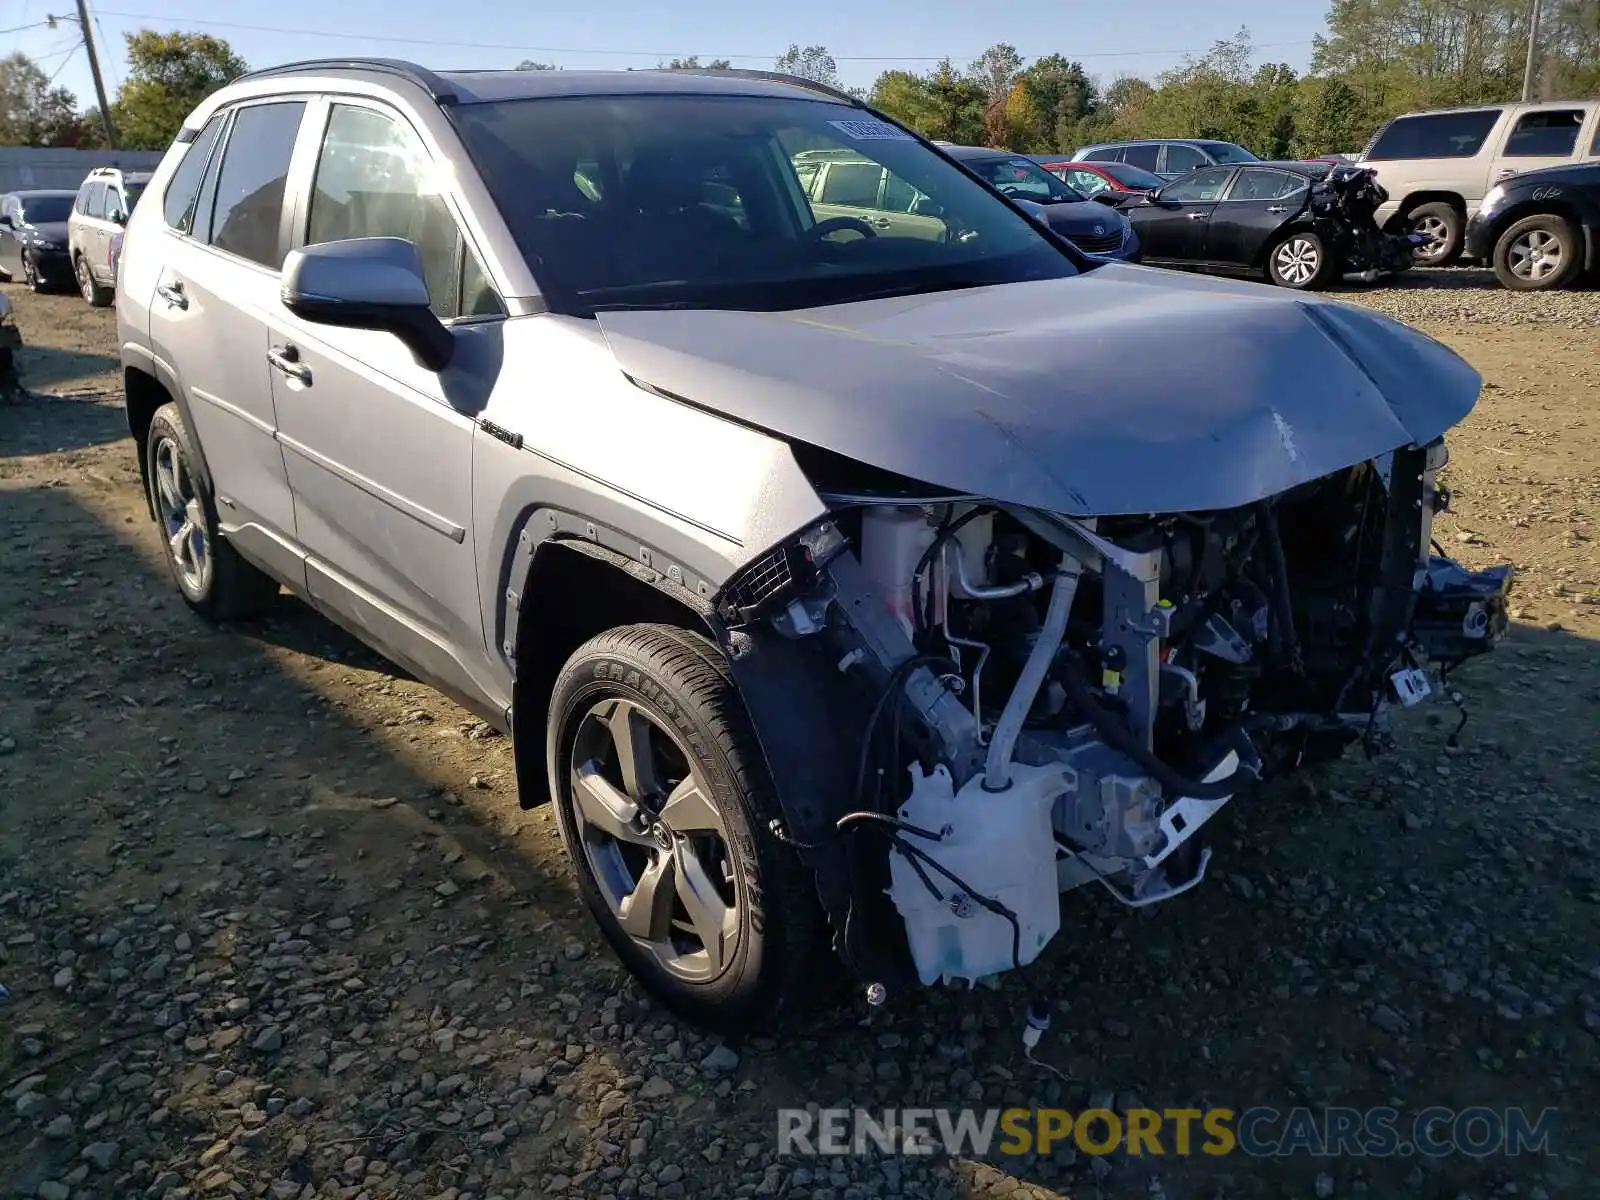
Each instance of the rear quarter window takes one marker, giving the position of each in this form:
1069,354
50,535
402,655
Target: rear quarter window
177,206
1434,135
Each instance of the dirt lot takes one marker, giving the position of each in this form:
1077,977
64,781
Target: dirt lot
273,924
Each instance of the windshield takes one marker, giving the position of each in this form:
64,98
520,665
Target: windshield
1131,176
1022,179
738,202
39,210
1227,152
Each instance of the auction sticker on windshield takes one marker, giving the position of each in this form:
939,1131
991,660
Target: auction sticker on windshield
869,130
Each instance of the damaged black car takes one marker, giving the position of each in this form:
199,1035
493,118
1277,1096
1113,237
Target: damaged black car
1302,225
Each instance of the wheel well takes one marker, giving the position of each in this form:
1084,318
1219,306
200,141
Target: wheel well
575,590
142,395
1417,199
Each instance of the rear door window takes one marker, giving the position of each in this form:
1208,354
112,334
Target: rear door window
1256,184
255,167
1435,135
1551,133
1185,159
1108,154
177,206
1141,156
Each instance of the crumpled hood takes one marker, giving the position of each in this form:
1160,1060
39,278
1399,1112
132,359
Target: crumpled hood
1125,390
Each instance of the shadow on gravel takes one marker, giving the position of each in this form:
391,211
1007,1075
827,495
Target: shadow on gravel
299,933
48,367
40,424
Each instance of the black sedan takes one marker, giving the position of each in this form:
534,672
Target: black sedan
33,237
1301,224
1093,228
1540,229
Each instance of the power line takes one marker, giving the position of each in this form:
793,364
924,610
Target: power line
30,25
73,49
525,49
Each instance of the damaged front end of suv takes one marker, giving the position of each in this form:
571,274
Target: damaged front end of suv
975,701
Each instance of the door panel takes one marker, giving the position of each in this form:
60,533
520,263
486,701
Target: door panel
379,449
1259,203
381,469
208,319
1177,233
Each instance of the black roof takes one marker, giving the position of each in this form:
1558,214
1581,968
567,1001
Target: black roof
476,86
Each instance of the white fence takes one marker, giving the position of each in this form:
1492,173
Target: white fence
23,167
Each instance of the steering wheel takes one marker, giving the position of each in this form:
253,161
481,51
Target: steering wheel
834,224
1008,189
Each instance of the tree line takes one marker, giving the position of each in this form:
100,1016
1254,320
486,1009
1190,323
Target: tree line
1374,59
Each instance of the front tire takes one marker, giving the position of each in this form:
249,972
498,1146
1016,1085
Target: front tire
213,579
664,804
1300,261
94,294
1537,254
30,276
1445,227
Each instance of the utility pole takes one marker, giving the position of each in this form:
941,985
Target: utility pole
1527,71
94,68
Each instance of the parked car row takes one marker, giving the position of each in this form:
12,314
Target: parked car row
1514,186
51,239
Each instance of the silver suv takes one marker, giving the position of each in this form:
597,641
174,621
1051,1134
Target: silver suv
837,583
1167,157
94,230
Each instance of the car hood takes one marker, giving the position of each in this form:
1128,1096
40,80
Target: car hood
50,231
1077,218
1123,390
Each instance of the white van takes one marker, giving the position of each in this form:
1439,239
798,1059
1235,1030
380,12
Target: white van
1437,166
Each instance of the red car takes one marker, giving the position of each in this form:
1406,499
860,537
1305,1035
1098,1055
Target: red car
1095,178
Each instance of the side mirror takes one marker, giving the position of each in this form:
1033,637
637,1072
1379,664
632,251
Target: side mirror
5,221
368,283
1109,199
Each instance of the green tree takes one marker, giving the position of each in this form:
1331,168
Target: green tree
812,62
32,113
1062,97
693,63
944,104
169,74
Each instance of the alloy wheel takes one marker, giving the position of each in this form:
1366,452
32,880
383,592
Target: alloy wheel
654,840
182,517
1536,255
85,281
30,276
1297,261
1437,234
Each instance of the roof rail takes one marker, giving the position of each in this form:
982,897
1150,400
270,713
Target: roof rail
436,87
799,81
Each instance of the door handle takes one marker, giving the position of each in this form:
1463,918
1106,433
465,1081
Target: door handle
172,293
1196,216
880,222
286,359
1277,208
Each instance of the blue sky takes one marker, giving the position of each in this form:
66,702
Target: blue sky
1110,38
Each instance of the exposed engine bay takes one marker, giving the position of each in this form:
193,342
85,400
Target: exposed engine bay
1051,702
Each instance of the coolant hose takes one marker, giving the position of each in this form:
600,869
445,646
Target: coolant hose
1117,735
997,768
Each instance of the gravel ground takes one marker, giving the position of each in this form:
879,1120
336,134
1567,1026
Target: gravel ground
272,923
1472,296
